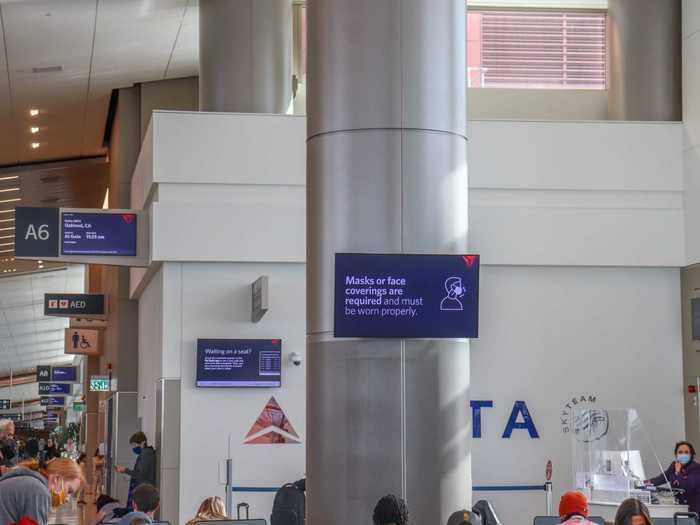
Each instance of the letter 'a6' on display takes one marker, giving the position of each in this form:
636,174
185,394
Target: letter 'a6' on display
406,296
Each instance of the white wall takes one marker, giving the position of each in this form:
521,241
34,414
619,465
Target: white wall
537,104
216,304
580,227
576,193
549,334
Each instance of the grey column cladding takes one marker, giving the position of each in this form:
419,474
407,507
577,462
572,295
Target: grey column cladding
245,55
387,173
645,60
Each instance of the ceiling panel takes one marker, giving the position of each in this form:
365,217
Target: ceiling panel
8,140
41,35
133,43
185,59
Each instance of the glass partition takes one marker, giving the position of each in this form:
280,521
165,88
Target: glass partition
612,456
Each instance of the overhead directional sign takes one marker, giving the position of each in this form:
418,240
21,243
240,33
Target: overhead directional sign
55,388
82,235
36,232
99,233
43,373
5,404
52,401
72,305
82,341
65,374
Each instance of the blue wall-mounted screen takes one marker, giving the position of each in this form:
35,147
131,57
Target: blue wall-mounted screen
243,363
406,296
98,234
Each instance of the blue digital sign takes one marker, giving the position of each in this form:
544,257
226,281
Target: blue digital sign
67,374
55,388
98,234
239,363
52,401
406,296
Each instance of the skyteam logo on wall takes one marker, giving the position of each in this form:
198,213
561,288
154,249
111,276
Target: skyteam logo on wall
589,424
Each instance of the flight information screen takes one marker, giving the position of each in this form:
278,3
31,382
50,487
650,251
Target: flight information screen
99,234
239,363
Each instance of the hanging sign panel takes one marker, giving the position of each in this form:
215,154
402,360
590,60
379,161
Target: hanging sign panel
82,235
36,232
52,401
43,373
82,341
98,234
74,304
54,388
406,296
65,374
5,404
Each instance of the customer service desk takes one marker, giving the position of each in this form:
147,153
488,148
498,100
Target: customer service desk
607,511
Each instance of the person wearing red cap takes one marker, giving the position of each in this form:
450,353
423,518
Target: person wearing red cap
573,509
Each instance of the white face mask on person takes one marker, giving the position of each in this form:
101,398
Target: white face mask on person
683,459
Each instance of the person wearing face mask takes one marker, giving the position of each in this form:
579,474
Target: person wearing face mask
8,446
684,473
32,488
144,470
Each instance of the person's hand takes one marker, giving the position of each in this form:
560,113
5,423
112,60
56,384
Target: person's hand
678,466
120,469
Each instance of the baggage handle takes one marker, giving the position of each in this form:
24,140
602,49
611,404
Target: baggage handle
247,510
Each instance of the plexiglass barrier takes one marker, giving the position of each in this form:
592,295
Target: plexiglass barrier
612,456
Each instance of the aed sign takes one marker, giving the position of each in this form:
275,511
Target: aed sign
74,305
36,232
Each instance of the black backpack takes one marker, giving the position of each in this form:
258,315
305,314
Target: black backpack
289,507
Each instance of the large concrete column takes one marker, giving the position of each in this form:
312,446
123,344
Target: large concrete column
245,55
644,60
387,172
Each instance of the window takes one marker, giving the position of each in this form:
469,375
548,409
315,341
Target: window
536,49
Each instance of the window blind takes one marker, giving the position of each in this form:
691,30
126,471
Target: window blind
538,49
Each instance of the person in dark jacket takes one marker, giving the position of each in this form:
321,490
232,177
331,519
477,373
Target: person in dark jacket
51,451
144,470
684,473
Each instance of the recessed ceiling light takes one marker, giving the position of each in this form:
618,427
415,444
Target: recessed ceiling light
34,129
10,200
33,112
14,177
7,190
35,145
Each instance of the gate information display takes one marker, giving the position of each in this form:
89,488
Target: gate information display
406,296
98,234
68,374
239,363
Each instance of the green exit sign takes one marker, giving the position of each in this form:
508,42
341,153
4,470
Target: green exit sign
99,384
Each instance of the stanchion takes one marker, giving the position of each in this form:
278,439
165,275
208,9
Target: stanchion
548,497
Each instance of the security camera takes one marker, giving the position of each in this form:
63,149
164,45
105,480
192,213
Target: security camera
296,359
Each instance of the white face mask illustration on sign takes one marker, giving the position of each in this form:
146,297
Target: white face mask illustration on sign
455,291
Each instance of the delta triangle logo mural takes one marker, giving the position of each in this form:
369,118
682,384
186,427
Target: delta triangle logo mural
272,427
